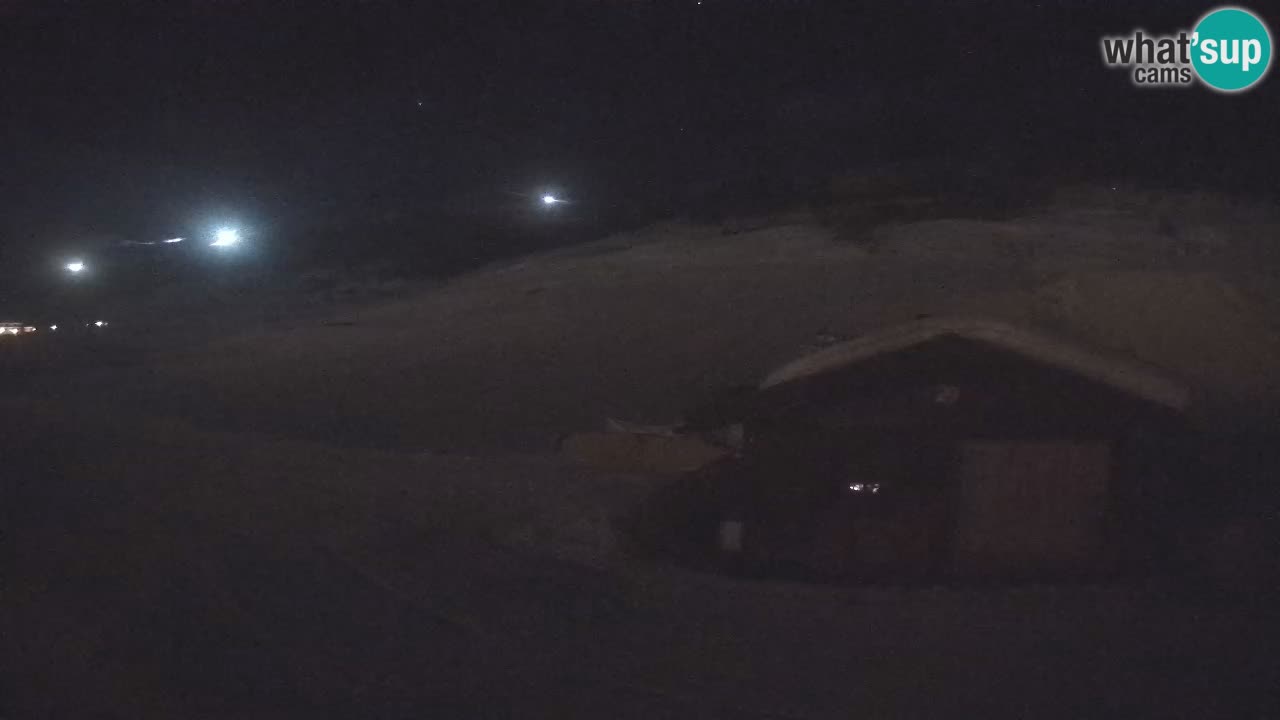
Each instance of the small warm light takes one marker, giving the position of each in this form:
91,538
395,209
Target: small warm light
75,266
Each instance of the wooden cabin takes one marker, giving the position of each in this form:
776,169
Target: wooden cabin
951,447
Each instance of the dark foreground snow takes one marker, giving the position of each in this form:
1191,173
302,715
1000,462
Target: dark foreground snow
158,571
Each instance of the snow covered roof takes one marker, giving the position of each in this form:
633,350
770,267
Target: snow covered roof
1126,375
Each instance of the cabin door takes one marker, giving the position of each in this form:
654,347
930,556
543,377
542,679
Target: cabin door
1030,508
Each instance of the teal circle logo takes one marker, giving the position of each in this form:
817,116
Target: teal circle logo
1231,49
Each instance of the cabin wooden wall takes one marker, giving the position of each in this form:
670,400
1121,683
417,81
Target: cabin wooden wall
1027,508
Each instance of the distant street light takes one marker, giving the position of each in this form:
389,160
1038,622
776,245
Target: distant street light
173,240
75,266
549,200
226,237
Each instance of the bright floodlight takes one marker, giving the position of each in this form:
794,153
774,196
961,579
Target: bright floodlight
549,200
53,327
226,237
173,240
75,266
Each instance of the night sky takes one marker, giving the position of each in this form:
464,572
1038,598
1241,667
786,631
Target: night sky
140,120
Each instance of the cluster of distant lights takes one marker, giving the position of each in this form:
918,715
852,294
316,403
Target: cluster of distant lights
229,237
224,237
17,329
96,323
